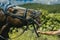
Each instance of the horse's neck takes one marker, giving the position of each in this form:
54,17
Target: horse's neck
2,16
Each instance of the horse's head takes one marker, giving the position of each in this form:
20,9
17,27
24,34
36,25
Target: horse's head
31,13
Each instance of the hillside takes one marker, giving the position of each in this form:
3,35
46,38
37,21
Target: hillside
50,8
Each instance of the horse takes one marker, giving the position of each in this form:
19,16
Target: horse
30,16
18,17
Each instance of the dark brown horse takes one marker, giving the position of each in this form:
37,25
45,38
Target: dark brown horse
18,18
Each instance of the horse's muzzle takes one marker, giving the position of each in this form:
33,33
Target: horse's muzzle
37,22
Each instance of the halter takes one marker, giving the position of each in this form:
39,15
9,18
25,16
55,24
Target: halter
19,17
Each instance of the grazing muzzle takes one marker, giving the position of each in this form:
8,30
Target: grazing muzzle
36,16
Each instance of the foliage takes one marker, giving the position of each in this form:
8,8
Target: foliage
50,8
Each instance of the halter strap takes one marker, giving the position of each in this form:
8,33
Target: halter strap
25,14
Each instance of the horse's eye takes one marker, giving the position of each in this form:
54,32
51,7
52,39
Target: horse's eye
15,11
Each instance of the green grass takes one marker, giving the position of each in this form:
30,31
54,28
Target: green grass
28,35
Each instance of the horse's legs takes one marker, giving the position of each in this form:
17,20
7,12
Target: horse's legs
35,30
4,31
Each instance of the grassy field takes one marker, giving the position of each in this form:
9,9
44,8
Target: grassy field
52,23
